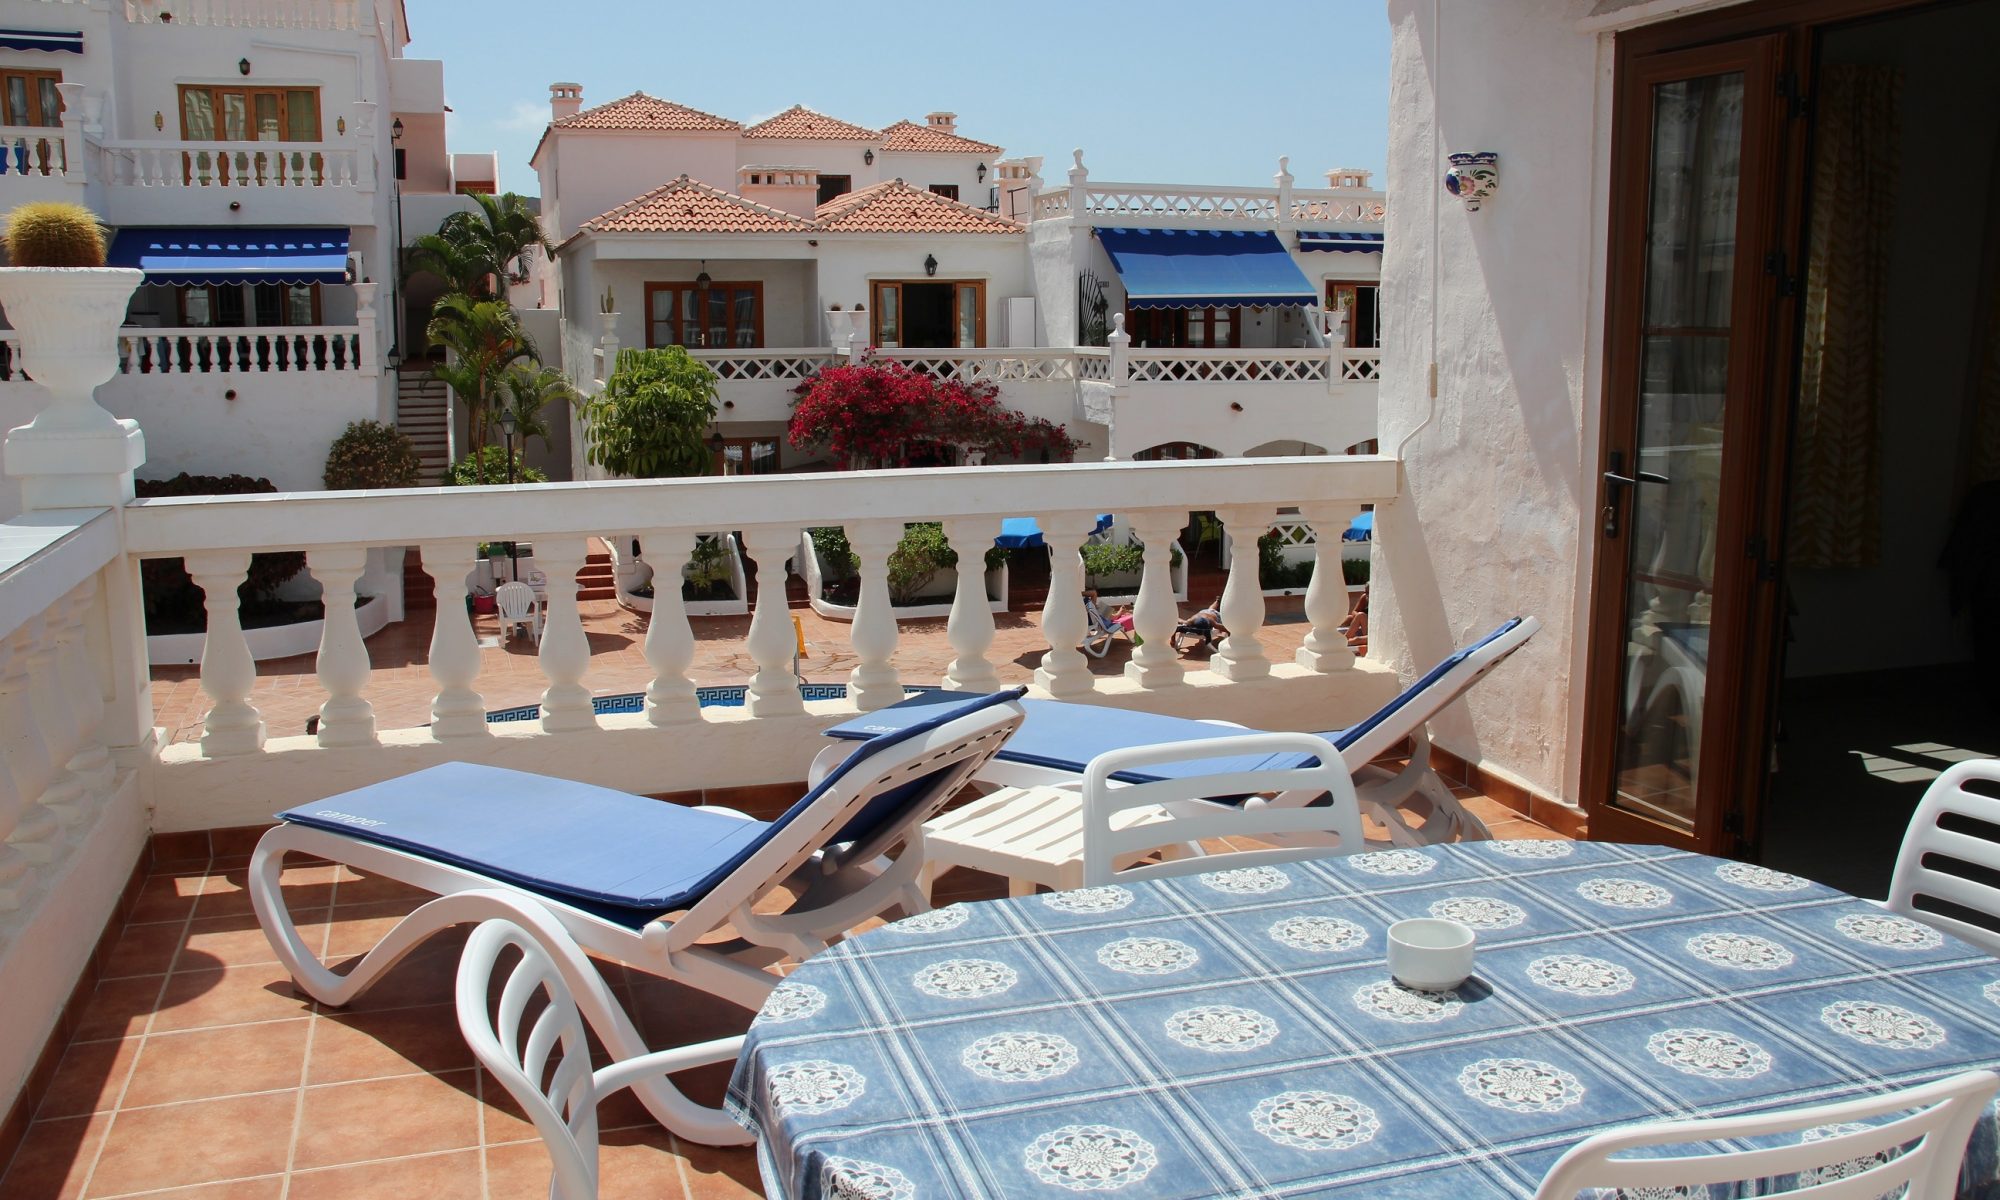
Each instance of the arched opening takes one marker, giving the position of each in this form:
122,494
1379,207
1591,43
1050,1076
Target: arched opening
1284,448
1175,450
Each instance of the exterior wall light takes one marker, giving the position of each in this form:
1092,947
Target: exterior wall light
982,172
930,264
1473,177
396,130
159,120
702,280
868,157
242,66
340,126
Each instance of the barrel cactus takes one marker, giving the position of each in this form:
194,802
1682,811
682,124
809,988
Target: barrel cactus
53,234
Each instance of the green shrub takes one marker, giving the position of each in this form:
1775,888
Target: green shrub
921,553
837,559
54,234
1273,572
172,599
1105,558
490,466
370,454
1355,571
707,575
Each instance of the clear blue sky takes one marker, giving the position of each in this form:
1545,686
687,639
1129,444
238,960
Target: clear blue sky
1153,90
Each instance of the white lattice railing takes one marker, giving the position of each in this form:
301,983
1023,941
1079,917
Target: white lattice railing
1049,205
33,150
254,14
234,165
1156,204
1228,366
1360,366
764,364
1336,204
990,366
1093,365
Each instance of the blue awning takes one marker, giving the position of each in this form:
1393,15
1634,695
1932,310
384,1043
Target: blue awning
1325,239
41,39
1205,268
1362,529
1021,533
198,256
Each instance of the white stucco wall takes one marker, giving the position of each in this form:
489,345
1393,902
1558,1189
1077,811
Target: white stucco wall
588,172
1491,518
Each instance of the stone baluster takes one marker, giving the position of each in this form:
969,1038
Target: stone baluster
89,769
970,626
1241,655
228,672
774,690
346,718
873,683
565,651
26,767
1325,648
670,698
1154,663
55,713
457,710
1063,671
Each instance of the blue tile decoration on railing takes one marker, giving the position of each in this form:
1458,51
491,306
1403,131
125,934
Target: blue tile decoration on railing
725,696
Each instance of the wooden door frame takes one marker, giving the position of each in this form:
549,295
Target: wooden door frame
1746,685
688,285
902,310
34,75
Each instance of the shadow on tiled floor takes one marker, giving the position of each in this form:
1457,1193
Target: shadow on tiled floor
197,1073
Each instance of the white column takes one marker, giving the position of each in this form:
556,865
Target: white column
873,683
1154,663
1064,672
565,651
1283,179
1241,655
74,167
457,710
367,354
970,627
345,719
364,138
774,690
228,673
1079,190
1326,648
25,760
670,698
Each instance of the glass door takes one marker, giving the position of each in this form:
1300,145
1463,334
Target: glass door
1687,388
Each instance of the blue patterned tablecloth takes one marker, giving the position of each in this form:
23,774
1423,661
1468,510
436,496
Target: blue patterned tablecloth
1236,1033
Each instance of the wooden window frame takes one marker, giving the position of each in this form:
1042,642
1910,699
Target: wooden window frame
688,285
1183,318
948,190
1335,286
33,77
217,90
249,305
776,440
875,287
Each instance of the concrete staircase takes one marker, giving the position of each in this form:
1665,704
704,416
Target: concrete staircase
597,580
422,409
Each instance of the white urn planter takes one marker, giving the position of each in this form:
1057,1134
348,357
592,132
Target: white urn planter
68,320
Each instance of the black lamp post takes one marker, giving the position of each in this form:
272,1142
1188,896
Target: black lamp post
513,547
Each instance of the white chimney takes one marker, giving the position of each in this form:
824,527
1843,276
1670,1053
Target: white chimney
565,100
1348,177
945,121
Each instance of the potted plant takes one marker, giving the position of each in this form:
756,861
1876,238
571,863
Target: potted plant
67,306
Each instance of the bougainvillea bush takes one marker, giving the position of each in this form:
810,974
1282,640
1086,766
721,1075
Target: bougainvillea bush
880,413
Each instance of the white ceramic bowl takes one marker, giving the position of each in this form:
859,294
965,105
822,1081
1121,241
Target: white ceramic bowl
1430,954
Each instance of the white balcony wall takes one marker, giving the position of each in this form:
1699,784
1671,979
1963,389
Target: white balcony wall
790,317
850,263
594,171
923,170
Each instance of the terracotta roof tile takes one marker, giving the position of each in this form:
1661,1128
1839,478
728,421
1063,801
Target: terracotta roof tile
800,123
685,206
896,207
908,135
640,111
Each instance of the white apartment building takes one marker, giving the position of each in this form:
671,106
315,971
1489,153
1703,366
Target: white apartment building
1248,314
261,160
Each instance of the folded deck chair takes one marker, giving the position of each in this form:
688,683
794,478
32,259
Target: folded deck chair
1059,739
1100,630
637,880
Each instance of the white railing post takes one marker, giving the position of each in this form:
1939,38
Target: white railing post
873,683
1079,187
1325,648
345,718
228,672
367,355
1241,654
73,122
1284,181
969,629
26,766
1063,671
457,710
773,690
1120,344
1154,663
89,762
565,651
670,697
364,140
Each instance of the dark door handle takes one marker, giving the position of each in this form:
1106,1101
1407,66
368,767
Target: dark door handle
1613,477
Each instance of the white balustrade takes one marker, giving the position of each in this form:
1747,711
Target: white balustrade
773,690
1182,205
1326,647
874,683
457,710
33,150
228,672
231,166
345,719
1228,366
762,364
988,366
1063,671
565,651
25,756
969,629
247,14
1241,654
670,697
282,349
1154,662
1360,365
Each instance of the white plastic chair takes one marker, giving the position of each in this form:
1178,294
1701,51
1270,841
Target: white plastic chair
517,606
1944,851
541,1055
1847,1162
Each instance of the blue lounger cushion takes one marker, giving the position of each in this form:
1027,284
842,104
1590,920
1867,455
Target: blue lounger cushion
1065,736
626,858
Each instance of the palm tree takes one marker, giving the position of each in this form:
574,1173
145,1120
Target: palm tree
526,390
485,341
478,252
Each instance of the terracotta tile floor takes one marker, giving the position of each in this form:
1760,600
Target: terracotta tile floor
198,1074
288,693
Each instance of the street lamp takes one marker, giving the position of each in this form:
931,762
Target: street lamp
513,548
